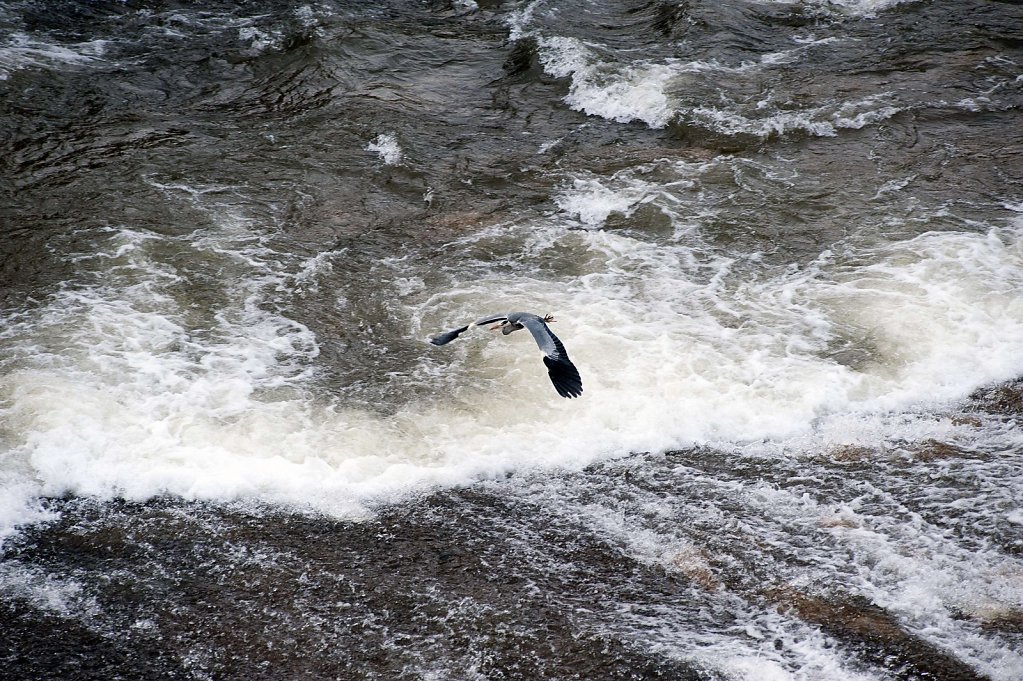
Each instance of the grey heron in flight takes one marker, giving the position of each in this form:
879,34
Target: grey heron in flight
563,373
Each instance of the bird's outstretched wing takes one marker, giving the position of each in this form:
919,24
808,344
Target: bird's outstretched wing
448,336
563,373
490,319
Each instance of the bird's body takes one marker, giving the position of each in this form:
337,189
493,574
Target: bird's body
562,372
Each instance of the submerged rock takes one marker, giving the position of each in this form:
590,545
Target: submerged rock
876,635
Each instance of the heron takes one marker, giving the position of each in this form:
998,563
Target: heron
563,373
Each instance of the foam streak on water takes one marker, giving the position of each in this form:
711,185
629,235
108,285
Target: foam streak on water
112,390
20,51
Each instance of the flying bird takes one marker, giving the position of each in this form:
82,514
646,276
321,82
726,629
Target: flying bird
563,373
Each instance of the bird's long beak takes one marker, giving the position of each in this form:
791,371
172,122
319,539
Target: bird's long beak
495,327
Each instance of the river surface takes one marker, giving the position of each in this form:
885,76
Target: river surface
783,242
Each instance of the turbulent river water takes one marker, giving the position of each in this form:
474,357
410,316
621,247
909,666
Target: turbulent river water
784,245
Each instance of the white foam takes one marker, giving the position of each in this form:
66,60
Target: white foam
519,20
862,8
308,15
21,51
690,625
919,573
893,186
854,8
261,40
850,116
386,145
654,93
852,536
46,592
466,6
821,121
122,387
592,201
623,94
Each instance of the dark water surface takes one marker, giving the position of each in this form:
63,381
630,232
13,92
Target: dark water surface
784,245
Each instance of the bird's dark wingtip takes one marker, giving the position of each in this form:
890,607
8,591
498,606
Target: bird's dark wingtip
568,393
445,338
565,377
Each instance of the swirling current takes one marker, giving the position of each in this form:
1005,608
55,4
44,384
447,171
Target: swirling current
783,242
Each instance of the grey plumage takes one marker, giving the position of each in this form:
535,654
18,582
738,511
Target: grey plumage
562,372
